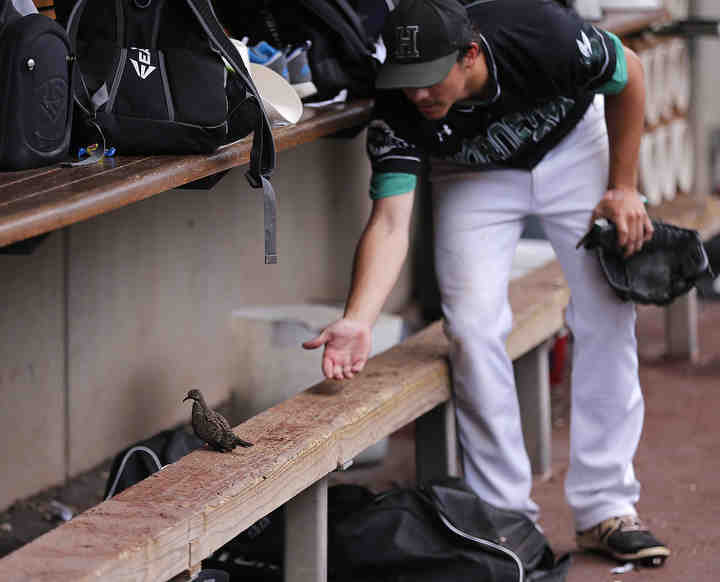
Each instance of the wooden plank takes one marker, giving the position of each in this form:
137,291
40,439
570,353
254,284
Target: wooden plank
39,201
24,187
169,522
701,213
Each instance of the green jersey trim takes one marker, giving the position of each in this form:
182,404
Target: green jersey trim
384,184
620,76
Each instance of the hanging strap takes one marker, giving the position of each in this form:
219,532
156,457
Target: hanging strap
262,154
81,95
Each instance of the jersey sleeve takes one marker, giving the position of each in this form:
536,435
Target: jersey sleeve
555,52
395,158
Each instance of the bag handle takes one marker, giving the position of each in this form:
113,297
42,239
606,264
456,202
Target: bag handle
262,154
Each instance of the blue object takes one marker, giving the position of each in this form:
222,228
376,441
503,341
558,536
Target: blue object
264,54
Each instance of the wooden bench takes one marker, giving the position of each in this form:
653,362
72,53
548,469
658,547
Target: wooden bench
166,524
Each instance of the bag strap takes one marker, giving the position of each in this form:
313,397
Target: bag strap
485,544
262,154
81,95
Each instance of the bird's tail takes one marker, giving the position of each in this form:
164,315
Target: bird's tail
241,443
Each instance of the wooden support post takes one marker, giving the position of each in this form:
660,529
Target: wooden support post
532,378
681,327
436,443
306,535
188,575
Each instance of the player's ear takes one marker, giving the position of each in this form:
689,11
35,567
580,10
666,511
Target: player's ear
471,55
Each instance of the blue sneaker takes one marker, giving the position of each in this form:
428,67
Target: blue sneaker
299,69
264,54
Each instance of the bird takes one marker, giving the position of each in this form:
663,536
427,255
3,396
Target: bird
212,427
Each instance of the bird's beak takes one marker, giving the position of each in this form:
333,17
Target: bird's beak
186,398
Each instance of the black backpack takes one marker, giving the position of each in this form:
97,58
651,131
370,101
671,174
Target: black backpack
35,76
144,458
152,81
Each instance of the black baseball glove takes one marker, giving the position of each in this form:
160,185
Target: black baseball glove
667,266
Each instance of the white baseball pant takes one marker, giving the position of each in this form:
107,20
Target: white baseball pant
479,218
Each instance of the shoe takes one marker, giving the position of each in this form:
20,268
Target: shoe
299,69
264,54
626,539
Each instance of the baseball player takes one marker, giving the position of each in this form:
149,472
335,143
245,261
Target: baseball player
521,108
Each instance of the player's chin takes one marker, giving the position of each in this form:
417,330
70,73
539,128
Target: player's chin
433,112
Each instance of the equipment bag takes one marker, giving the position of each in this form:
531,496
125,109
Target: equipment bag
439,532
36,79
341,53
153,81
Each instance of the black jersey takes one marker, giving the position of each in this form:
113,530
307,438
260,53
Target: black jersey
545,65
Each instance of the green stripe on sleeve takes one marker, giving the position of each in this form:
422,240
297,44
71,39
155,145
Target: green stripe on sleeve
620,76
384,184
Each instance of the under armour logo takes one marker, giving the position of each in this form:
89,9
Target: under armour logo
445,131
584,45
406,37
142,66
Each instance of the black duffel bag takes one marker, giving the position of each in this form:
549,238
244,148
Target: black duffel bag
439,532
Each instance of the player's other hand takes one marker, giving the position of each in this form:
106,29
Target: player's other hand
347,345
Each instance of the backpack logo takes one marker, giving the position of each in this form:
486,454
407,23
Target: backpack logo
142,65
406,38
585,45
53,98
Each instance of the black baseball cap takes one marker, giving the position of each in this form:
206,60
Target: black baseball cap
423,40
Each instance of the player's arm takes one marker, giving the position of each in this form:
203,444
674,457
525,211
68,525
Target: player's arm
625,118
379,257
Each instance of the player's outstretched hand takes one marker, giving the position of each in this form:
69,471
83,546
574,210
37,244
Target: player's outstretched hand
347,345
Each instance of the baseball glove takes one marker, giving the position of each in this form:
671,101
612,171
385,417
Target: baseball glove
667,266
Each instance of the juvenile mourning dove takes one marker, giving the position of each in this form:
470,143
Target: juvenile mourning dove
212,427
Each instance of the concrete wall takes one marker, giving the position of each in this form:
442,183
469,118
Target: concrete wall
32,355
149,291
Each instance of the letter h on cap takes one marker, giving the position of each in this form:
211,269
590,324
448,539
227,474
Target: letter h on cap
407,42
